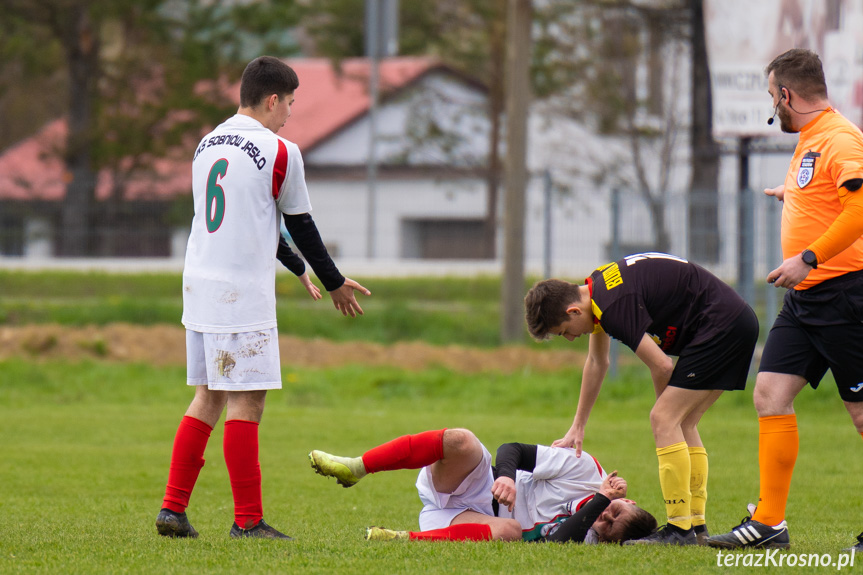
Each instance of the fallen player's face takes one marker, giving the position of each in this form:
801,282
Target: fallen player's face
612,522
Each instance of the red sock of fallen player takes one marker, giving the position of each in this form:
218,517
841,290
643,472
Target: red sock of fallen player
461,532
406,452
187,459
244,469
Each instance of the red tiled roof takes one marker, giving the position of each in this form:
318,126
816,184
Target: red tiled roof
326,101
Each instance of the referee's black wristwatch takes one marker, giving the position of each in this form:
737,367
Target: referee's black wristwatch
810,258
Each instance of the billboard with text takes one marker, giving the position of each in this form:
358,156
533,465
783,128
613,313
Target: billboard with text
743,36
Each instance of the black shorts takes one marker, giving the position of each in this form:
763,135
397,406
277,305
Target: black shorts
821,328
721,362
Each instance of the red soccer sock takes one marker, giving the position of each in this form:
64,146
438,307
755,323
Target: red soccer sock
406,452
460,532
187,459
244,469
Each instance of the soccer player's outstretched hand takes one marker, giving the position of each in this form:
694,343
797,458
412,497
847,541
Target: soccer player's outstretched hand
503,490
573,438
344,299
310,287
613,487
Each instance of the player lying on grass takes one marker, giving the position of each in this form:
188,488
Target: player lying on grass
659,305
533,493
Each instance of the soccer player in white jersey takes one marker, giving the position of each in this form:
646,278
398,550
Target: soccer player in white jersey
243,177
532,493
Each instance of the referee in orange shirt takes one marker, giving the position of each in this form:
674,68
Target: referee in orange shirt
820,325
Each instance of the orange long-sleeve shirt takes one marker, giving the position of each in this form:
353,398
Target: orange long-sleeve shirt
818,213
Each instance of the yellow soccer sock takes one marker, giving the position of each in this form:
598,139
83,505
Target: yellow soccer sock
674,473
777,453
698,484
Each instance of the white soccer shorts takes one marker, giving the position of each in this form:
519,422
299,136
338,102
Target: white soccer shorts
474,494
245,361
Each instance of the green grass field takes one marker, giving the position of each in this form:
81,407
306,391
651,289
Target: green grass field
85,450
449,310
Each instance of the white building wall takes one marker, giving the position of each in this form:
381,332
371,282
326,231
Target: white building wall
340,210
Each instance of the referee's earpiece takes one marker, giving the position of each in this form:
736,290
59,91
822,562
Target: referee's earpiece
782,90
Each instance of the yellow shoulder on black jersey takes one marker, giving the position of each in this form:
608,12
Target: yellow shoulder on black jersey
611,275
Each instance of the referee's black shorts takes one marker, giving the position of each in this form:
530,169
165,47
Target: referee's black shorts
821,328
720,362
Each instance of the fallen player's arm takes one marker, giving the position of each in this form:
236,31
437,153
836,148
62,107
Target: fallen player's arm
575,528
511,457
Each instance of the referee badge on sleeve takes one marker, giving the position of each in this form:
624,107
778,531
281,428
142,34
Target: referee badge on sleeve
807,168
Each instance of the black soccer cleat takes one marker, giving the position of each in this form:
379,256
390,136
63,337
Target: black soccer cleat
666,535
755,534
855,548
259,531
701,534
172,524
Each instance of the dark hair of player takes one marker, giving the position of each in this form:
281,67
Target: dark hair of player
642,525
264,77
545,305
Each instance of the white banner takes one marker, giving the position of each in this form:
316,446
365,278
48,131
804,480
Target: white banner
744,36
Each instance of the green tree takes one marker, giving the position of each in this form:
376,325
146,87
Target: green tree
30,78
133,82
585,63
615,65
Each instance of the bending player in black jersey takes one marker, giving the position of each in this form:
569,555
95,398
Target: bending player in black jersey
659,305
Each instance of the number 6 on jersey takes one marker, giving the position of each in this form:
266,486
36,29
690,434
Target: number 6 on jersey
216,195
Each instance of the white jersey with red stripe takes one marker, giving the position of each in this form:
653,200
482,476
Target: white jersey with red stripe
558,486
243,176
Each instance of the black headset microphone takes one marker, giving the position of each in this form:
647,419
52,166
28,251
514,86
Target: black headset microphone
775,110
